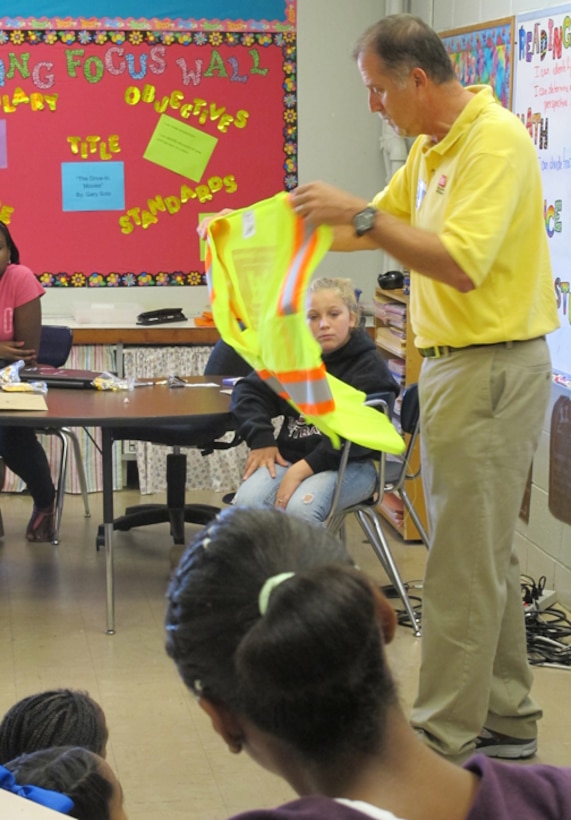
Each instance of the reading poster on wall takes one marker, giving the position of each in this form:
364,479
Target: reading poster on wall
118,136
542,100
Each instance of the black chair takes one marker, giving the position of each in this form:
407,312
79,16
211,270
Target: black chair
223,361
392,477
55,346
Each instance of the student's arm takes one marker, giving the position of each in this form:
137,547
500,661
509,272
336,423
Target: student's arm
27,328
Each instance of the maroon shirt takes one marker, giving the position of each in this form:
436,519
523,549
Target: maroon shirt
507,791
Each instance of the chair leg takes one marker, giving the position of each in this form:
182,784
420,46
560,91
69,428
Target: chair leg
336,525
372,528
415,517
60,488
2,476
67,431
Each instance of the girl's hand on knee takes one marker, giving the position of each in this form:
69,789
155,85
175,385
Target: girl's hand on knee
291,481
264,457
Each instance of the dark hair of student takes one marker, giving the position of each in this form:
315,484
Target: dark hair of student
57,717
404,42
14,252
310,670
69,770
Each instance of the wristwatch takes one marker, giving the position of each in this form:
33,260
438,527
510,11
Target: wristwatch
364,220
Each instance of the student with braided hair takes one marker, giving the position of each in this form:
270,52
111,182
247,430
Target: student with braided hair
57,717
79,774
282,641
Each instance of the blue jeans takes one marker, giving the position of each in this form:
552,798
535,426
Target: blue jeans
312,499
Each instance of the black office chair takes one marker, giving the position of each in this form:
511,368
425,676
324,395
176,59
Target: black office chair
392,477
223,361
55,346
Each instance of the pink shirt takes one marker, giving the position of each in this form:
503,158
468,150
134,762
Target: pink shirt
18,286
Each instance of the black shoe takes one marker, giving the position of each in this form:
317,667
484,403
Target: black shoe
494,744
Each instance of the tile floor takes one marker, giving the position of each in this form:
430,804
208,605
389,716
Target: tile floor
170,763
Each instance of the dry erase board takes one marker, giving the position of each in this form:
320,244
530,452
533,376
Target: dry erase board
542,99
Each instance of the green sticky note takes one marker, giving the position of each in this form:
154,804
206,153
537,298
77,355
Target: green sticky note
180,148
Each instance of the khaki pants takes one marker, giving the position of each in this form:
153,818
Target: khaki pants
482,411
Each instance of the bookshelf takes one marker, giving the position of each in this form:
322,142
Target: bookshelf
395,341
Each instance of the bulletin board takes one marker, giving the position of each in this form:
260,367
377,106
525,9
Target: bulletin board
542,100
483,54
116,138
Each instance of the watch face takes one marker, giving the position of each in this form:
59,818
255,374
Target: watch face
364,220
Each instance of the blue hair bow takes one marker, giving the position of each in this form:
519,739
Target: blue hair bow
45,797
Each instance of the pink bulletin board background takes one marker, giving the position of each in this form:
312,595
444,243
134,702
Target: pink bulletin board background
103,92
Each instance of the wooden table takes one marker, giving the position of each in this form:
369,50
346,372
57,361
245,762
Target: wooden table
150,406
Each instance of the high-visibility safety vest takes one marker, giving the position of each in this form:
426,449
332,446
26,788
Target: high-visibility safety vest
259,262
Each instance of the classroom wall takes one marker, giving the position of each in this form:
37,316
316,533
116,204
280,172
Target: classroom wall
338,142
544,545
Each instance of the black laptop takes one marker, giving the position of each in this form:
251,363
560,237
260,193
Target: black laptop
60,376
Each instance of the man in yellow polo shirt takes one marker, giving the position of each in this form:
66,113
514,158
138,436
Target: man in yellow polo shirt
465,216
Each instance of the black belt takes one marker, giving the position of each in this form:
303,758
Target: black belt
440,351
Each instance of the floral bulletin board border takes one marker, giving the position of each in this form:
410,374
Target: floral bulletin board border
483,54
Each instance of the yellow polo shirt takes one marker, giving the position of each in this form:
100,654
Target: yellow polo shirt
480,190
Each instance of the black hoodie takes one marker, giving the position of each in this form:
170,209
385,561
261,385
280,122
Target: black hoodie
254,405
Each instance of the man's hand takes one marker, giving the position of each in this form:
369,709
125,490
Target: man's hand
264,457
322,204
12,351
203,227
291,481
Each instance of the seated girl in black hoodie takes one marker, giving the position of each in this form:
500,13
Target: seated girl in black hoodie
298,470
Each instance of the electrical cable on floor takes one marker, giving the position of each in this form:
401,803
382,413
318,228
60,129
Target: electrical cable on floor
548,631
